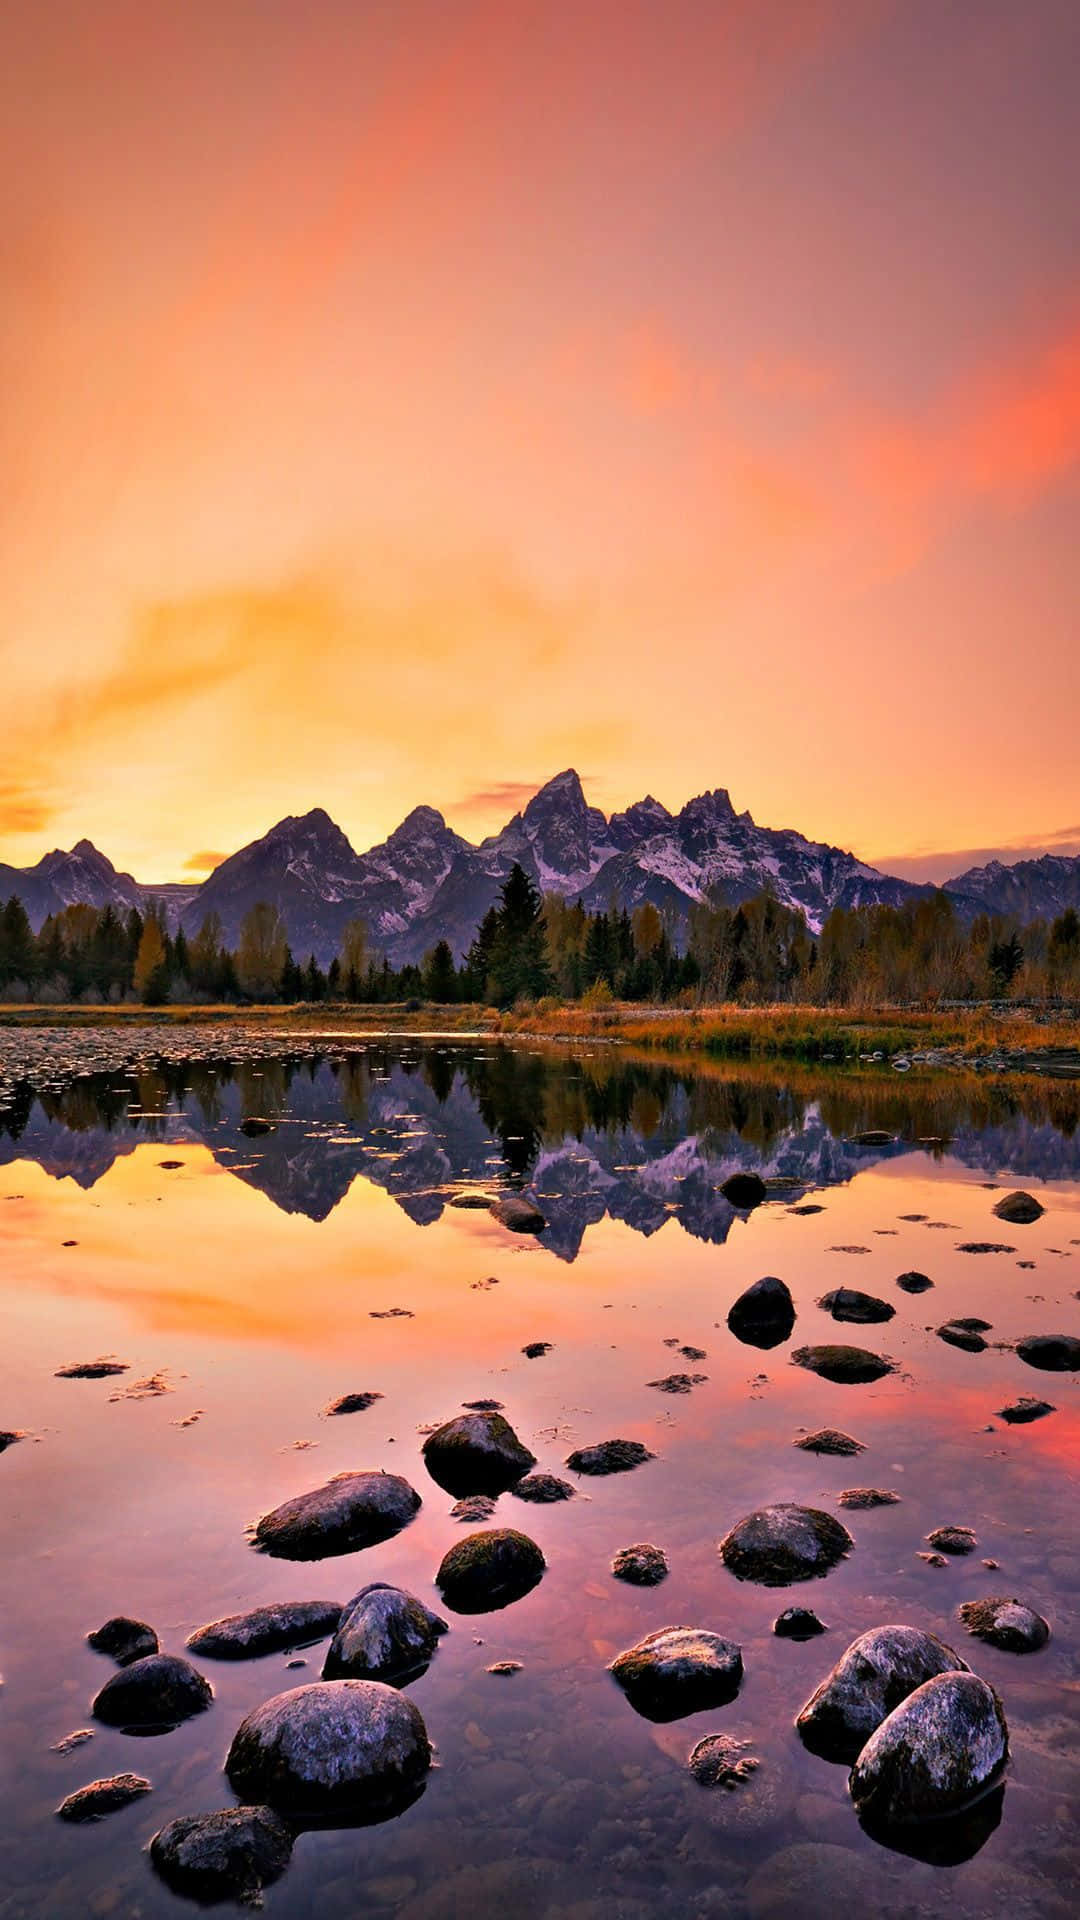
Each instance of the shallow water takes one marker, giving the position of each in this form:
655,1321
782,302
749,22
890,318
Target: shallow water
247,1280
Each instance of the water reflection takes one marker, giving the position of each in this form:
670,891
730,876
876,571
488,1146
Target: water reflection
601,1138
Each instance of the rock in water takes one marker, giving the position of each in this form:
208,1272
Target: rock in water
352,1510
764,1314
798,1623
744,1191
254,1127
1021,1412
845,1365
159,1691
775,1546
543,1489
1005,1623
872,1676
103,1796
609,1456
860,1499
717,1761
830,1440
385,1634
354,1749
951,1539
476,1453
247,1636
474,1508
847,1303
678,1670
230,1855
352,1403
914,1282
935,1753
1020,1209
642,1565
490,1570
123,1640
1051,1352
966,1334
520,1215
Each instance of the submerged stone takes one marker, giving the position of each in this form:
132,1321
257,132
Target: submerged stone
1020,1209
487,1571
859,1498
157,1692
123,1639
103,1369
847,1366
231,1855
678,1382
872,1676
272,1629
966,1334
352,1510
764,1314
353,1749
254,1127
352,1403
678,1670
776,1546
863,1309
474,1508
1005,1623
476,1453
642,1565
384,1634
718,1761
103,1796
984,1246
934,1754
609,1456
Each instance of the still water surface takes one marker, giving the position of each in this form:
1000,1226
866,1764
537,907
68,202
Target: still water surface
248,1281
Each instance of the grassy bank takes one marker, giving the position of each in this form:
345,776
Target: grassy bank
808,1034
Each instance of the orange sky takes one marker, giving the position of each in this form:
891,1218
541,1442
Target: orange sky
404,401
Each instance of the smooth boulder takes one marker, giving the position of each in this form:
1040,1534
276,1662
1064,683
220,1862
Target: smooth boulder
1050,1352
273,1629
1005,1623
155,1693
914,1282
384,1634
520,1215
678,1670
1020,1209
476,1453
352,1510
744,1191
490,1570
872,1676
353,1749
846,1366
764,1314
798,1623
124,1639
934,1754
776,1546
231,1855
861,1309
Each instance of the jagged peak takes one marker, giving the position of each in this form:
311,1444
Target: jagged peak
563,786
422,820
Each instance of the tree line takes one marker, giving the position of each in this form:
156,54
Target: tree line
529,947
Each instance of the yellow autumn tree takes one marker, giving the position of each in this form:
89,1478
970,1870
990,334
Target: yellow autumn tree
260,956
150,960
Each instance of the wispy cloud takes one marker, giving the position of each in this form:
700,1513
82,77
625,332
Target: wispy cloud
926,865
203,862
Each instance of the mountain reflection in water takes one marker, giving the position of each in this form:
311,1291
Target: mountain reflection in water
598,1136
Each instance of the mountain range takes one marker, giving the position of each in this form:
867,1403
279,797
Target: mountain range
426,882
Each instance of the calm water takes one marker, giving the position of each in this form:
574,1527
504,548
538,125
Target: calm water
247,1279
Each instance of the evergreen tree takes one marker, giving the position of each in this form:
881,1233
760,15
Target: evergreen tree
519,963
440,974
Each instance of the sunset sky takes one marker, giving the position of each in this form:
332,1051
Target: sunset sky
401,400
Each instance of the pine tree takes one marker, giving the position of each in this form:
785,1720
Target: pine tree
440,974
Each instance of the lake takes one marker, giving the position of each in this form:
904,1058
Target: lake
247,1282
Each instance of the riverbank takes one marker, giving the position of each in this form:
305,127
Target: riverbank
989,1039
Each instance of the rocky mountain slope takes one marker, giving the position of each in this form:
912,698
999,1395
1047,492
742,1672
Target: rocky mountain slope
426,882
